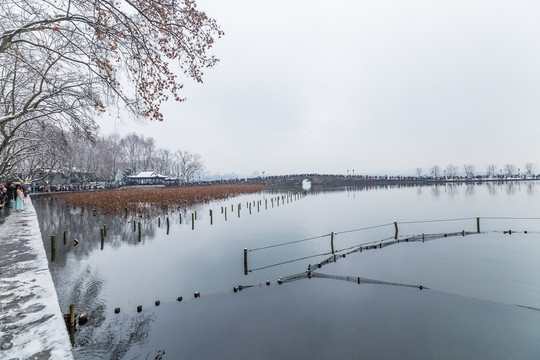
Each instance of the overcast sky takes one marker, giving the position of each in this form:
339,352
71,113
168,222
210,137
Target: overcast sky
319,86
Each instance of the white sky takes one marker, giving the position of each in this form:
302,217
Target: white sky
370,85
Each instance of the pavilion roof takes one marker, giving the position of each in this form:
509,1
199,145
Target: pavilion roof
148,174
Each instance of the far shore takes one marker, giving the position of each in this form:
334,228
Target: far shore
142,201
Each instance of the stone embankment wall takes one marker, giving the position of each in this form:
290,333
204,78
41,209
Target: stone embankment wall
31,323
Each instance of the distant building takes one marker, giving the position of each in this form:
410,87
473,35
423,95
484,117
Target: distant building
147,177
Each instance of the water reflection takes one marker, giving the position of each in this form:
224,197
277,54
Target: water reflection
203,252
436,191
469,190
452,190
530,189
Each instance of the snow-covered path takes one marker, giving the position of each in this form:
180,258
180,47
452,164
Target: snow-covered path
31,323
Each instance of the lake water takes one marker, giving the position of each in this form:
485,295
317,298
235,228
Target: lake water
474,281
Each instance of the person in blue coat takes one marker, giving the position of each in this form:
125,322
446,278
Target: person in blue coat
19,199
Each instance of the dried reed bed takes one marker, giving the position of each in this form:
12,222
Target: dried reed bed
150,201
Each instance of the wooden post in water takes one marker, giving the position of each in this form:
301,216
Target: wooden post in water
478,224
395,225
64,237
53,248
72,317
332,241
139,225
125,212
159,222
168,224
102,238
266,204
104,230
192,221
245,261
180,216
225,214
211,220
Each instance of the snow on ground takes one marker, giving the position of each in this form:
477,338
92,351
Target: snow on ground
31,323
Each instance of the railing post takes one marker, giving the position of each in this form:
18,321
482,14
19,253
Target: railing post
478,224
332,241
395,225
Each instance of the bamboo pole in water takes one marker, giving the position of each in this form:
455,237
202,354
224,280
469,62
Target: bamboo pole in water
53,248
245,262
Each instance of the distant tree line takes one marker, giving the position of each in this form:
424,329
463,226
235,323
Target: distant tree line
108,158
451,171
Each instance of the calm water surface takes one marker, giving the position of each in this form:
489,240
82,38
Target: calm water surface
484,275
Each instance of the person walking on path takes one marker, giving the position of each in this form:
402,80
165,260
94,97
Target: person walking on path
10,194
3,196
19,199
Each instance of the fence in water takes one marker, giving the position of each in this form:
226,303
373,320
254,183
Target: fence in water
336,254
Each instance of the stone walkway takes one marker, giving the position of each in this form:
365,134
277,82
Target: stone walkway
31,323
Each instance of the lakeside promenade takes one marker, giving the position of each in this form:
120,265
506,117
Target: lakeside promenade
31,323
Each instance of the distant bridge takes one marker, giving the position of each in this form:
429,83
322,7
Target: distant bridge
295,181
332,180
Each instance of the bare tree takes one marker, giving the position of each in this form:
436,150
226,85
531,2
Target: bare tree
110,152
451,171
81,160
529,168
65,61
188,165
163,161
148,152
509,169
131,150
435,171
469,170
491,170
35,149
419,172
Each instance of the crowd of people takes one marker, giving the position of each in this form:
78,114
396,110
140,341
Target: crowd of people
12,196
